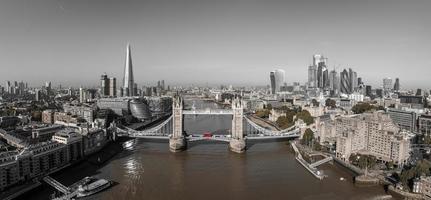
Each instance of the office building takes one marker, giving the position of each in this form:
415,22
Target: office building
312,76
104,85
404,119
368,91
345,82
277,80
397,84
112,87
387,85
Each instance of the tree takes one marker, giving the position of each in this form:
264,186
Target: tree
305,116
284,122
268,106
307,137
264,113
390,165
314,102
330,103
422,167
317,146
362,107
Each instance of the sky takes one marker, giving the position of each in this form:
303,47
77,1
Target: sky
238,42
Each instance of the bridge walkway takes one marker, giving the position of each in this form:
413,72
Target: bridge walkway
57,185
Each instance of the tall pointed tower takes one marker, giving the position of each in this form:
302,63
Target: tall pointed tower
128,84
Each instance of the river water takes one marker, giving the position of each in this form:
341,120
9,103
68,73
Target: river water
146,169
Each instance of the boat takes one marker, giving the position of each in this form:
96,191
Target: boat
91,186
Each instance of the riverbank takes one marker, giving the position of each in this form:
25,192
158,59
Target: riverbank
97,159
399,194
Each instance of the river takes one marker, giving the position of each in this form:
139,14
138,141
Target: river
146,169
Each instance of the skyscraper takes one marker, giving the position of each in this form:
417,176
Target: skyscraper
104,85
272,79
83,96
112,87
128,84
368,91
322,73
353,79
345,82
312,76
397,84
334,81
387,85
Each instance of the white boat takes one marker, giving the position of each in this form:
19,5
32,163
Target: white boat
92,186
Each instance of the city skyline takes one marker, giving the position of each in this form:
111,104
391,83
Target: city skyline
180,41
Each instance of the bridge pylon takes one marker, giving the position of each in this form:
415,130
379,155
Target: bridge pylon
177,141
237,142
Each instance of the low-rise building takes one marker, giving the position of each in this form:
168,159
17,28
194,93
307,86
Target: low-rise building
422,186
85,111
48,116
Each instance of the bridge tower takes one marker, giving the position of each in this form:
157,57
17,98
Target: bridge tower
237,142
177,142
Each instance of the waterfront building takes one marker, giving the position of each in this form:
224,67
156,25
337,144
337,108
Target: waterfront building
140,108
36,160
73,140
94,139
374,134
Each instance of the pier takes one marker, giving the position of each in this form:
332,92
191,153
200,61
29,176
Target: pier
68,192
310,167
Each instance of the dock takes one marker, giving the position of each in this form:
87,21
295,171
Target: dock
310,167
68,192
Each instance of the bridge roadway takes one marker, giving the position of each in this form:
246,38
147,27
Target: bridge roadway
223,138
208,112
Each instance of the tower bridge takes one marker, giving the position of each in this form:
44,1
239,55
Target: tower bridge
243,128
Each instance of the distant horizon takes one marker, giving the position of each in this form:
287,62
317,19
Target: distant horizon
216,42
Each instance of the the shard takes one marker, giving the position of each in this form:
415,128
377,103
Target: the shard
128,84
